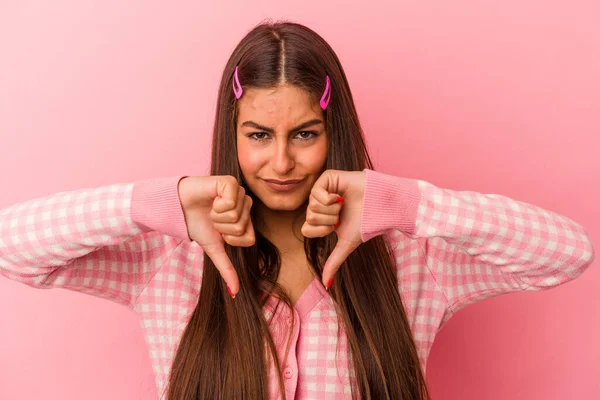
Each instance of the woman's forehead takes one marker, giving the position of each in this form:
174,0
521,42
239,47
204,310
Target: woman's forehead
284,103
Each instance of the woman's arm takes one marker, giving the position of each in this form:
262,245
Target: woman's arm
107,241
476,245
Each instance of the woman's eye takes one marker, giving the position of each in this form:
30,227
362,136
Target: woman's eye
310,135
261,136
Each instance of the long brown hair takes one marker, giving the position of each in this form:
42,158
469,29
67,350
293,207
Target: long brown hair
222,354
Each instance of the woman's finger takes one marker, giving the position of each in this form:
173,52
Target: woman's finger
323,196
227,195
243,235
230,216
237,228
317,219
318,207
311,231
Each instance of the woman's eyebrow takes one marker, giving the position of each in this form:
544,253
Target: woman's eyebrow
304,125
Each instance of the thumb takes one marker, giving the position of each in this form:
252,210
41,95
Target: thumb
219,257
342,250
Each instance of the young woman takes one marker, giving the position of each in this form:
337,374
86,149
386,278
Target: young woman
261,316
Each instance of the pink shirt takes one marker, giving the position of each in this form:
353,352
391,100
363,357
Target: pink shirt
128,243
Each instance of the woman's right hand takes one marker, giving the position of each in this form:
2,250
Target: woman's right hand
215,205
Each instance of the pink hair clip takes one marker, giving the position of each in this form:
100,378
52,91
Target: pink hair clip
238,91
325,101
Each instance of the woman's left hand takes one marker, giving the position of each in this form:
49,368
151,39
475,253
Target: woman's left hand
336,198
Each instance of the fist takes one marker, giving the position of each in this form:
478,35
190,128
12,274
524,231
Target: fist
335,204
217,211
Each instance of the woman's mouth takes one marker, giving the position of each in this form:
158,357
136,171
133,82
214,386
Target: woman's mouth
282,186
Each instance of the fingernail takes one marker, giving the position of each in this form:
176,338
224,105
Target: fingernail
340,200
329,284
231,294
337,224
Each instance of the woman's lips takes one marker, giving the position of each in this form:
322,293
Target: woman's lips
282,187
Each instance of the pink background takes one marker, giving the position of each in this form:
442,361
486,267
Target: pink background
496,98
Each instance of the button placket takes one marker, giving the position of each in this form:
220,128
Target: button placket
290,370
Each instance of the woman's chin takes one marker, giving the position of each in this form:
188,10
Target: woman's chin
283,203
284,206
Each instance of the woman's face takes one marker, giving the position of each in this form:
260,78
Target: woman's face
280,136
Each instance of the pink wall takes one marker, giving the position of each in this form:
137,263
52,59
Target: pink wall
494,98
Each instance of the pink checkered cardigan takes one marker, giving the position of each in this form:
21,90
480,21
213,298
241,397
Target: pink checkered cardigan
128,243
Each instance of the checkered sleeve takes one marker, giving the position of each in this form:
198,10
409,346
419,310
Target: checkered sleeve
476,245
107,241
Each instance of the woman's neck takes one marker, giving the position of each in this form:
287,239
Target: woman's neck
282,228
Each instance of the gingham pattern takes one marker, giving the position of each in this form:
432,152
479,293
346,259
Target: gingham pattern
128,243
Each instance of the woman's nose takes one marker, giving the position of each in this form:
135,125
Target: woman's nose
282,161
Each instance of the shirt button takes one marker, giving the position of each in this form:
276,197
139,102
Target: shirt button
288,372
289,321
